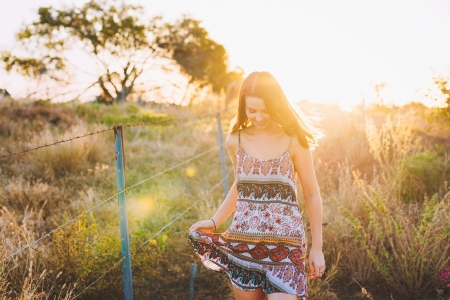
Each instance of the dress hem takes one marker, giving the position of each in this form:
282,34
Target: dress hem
244,279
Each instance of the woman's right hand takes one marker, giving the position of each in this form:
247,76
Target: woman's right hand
206,226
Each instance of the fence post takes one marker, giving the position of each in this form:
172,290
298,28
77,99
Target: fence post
192,281
222,156
124,238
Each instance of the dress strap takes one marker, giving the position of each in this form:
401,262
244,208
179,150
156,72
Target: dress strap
239,137
289,148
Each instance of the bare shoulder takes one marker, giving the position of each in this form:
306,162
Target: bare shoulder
232,142
298,151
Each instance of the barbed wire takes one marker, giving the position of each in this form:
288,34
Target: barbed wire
56,229
185,211
56,143
147,241
173,167
112,128
94,207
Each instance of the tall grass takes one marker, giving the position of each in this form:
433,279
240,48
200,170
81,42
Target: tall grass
385,202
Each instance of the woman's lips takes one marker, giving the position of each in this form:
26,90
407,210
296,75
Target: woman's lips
260,123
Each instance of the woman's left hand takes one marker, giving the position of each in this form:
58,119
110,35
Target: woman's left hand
316,263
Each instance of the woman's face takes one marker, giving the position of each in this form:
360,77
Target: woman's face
256,111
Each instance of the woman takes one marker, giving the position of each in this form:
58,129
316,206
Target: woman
264,249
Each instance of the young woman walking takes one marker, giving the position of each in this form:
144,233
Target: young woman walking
264,250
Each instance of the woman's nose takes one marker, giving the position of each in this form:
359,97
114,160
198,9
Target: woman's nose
259,117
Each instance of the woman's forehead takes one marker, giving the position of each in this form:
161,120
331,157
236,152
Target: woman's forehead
255,103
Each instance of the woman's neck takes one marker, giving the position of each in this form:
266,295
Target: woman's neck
274,128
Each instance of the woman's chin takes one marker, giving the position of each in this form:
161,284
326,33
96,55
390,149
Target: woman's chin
263,126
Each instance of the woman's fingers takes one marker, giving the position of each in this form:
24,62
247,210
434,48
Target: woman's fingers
202,224
311,270
316,263
320,270
316,270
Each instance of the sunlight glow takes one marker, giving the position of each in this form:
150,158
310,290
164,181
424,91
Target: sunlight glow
325,51
140,208
190,172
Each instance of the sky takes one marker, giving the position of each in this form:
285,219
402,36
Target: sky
324,51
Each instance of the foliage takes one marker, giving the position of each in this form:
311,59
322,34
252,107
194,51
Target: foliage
36,115
117,114
200,58
391,143
74,177
82,252
442,84
122,44
408,253
444,284
423,173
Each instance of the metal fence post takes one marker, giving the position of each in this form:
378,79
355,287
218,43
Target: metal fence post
222,156
192,281
124,238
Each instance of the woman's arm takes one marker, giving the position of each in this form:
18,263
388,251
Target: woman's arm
229,204
303,164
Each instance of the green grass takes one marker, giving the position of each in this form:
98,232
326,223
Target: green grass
44,188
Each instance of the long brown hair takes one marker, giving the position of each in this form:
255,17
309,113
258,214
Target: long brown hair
263,85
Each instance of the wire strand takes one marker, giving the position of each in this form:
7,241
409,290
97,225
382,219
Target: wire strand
147,241
94,207
173,167
55,143
56,229
185,211
112,128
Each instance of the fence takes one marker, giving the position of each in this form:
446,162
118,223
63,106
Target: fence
126,254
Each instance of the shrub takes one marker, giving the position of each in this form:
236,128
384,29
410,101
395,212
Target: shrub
82,251
19,194
72,157
116,114
408,252
37,115
444,284
148,116
423,173
391,143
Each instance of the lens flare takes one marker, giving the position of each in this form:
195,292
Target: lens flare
140,208
190,172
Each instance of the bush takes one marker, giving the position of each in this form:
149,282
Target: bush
82,251
116,114
422,173
35,116
407,251
72,157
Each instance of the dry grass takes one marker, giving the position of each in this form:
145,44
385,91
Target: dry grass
357,171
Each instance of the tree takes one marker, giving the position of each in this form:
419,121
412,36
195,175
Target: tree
200,58
442,84
121,45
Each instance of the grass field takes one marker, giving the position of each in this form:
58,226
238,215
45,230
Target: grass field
382,173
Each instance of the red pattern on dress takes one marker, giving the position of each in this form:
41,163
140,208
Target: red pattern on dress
266,233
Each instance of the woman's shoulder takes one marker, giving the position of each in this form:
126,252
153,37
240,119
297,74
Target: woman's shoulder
232,140
298,149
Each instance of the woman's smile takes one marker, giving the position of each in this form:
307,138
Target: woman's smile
259,124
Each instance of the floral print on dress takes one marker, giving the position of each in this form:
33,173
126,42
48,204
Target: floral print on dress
265,246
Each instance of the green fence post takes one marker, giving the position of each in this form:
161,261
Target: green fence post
124,237
192,281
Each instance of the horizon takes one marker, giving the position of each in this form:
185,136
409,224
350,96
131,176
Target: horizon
323,51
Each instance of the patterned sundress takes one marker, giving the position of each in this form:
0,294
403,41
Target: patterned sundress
265,245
